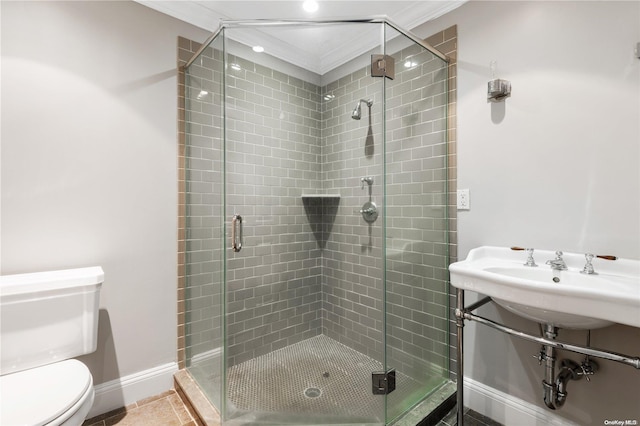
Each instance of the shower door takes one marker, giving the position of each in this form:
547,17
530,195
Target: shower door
303,300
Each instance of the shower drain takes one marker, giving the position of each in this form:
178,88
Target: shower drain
312,392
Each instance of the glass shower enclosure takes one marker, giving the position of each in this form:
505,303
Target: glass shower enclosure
316,222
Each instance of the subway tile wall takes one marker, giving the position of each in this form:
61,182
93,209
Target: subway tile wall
415,211
352,260
314,266
273,157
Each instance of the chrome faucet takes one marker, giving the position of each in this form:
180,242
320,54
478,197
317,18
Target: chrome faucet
558,263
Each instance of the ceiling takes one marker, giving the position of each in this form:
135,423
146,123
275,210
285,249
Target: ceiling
319,48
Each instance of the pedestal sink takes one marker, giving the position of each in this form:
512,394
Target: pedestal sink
564,299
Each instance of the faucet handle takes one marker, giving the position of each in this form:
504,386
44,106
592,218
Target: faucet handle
559,255
367,179
588,267
588,368
606,257
541,356
530,261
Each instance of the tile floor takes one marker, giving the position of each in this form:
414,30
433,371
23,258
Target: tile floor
338,377
471,418
166,409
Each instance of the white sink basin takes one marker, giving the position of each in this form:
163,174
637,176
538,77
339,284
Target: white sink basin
576,300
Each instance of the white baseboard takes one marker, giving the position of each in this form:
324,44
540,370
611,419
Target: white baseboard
507,409
134,387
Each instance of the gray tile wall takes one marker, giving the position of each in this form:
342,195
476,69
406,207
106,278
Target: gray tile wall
273,157
314,266
352,260
416,269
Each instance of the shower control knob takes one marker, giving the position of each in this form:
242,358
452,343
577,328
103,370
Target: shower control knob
369,212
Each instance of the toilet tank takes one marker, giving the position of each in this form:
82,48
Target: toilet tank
47,317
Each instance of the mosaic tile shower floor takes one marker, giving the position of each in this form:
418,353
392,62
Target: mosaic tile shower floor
317,377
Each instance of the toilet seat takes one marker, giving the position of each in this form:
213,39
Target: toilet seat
47,395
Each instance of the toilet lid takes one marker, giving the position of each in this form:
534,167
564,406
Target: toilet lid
40,395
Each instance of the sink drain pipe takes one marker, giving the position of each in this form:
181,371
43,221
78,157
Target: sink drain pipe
568,370
552,398
555,391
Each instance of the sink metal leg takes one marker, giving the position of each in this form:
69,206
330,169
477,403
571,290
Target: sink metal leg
460,356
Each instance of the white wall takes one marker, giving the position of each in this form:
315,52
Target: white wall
89,168
557,166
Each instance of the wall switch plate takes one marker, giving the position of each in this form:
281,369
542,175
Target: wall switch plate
463,199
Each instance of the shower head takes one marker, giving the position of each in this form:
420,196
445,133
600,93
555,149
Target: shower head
356,114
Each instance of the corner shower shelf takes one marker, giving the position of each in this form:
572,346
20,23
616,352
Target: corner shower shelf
320,195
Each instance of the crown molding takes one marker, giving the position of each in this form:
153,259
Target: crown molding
338,49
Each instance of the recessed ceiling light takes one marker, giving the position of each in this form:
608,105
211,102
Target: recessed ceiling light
258,49
310,5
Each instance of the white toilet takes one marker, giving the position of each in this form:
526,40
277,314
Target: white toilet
47,318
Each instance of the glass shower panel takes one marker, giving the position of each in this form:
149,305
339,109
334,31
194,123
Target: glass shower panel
203,154
303,310
416,254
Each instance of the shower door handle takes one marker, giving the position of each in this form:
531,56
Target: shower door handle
236,233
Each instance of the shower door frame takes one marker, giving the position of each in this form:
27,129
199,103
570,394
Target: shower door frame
270,22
